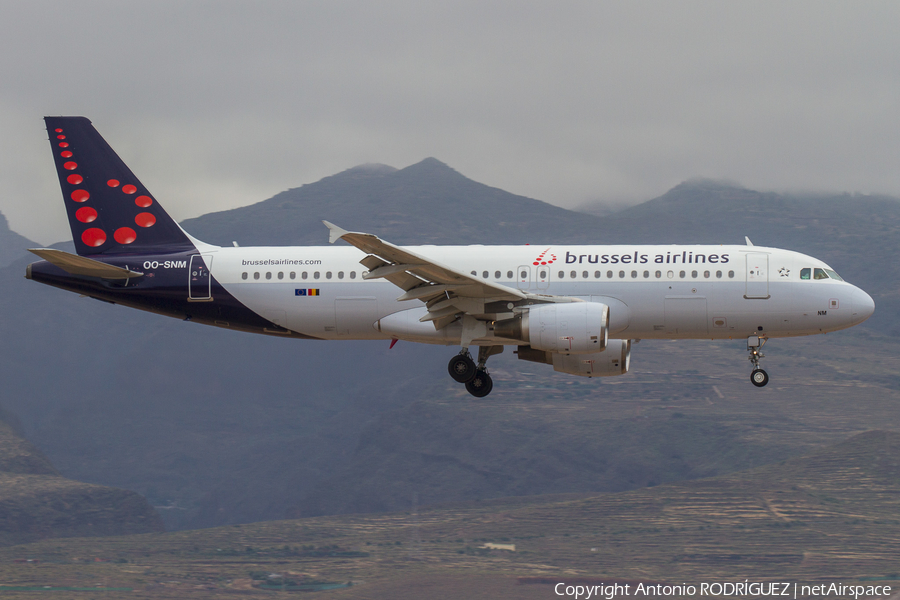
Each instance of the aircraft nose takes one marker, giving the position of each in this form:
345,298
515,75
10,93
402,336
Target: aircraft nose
863,306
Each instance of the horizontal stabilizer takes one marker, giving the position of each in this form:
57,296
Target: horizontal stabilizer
80,265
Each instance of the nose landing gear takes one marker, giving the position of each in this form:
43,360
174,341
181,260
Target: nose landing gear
464,370
758,376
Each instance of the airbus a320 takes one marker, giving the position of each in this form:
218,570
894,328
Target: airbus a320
577,308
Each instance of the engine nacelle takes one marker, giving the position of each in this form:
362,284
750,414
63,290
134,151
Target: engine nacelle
566,328
615,360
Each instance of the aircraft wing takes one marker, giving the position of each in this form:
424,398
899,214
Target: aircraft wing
445,291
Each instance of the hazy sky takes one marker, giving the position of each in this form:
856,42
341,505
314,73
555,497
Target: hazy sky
220,104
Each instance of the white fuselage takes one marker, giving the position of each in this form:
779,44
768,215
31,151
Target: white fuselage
662,292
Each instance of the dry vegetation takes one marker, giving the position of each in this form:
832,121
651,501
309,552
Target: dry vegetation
831,515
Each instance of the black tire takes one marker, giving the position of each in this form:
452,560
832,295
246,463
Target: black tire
481,385
462,368
759,378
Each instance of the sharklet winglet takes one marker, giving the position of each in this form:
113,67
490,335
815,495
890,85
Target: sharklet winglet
334,232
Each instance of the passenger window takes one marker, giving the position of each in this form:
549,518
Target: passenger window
609,274
621,274
646,274
352,274
706,274
243,276
573,274
562,274
328,275
316,275
694,274
496,274
670,274
509,274
597,274
293,274
658,274
542,274
474,274
304,275
256,275
280,274
340,274
681,274
585,274
484,274
730,274
805,273
718,274
268,274
634,274
523,275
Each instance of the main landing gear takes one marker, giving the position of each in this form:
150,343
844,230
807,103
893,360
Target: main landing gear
758,376
464,370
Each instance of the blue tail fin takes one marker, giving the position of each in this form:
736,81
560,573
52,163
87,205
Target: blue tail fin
110,211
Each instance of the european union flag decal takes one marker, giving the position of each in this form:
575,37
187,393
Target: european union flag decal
299,292
306,292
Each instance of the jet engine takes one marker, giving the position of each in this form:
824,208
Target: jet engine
615,360
565,328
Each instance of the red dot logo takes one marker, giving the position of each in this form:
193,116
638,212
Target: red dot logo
70,166
143,201
145,219
129,189
74,178
125,235
535,263
66,154
80,195
64,144
58,130
86,214
93,237
113,183
60,137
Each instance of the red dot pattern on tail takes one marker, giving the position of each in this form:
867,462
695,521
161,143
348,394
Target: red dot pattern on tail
125,235
93,237
145,219
86,214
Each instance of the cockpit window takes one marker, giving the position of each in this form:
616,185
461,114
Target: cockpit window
820,274
804,273
833,275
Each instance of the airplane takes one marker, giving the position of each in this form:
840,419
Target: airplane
575,307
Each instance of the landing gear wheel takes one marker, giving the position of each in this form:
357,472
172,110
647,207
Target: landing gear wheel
480,385
462,368
759,377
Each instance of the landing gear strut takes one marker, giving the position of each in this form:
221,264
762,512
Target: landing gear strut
464,370
758,376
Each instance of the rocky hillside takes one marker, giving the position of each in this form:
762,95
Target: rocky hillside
36,503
